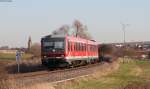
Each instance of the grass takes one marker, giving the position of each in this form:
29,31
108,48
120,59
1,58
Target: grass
12,84
4,56
133,72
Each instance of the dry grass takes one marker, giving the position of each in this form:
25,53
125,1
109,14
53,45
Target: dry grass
105,70
12,84
137,85
9,67
30,65
130,75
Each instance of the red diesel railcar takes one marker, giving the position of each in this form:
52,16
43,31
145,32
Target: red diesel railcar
68,50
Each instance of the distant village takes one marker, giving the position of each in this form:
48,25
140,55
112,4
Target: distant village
8,50
145,46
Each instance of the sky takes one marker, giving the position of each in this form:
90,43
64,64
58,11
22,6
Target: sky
20,19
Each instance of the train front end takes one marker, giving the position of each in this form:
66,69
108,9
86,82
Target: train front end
53,51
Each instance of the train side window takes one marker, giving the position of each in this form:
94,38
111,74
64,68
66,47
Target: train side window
68,46
93,47
81,47
84,47
87,47
76,46
71,46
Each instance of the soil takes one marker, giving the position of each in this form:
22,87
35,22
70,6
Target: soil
3,71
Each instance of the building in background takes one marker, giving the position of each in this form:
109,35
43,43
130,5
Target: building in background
29,43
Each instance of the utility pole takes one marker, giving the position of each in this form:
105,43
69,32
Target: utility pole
124,37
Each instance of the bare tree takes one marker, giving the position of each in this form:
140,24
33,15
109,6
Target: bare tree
78,27
62,30
81,30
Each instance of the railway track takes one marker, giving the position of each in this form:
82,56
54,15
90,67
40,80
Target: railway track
47,72
57,75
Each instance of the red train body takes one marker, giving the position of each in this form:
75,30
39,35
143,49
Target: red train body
62,51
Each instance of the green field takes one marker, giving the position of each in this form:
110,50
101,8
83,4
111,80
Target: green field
4,56
128,73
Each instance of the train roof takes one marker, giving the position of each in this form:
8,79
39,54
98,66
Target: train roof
82,40
72,38
54,36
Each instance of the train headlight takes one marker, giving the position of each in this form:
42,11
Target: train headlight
62,55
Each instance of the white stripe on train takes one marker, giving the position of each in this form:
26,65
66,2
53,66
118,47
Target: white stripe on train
80,57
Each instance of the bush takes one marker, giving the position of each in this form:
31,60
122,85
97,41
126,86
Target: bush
35,50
